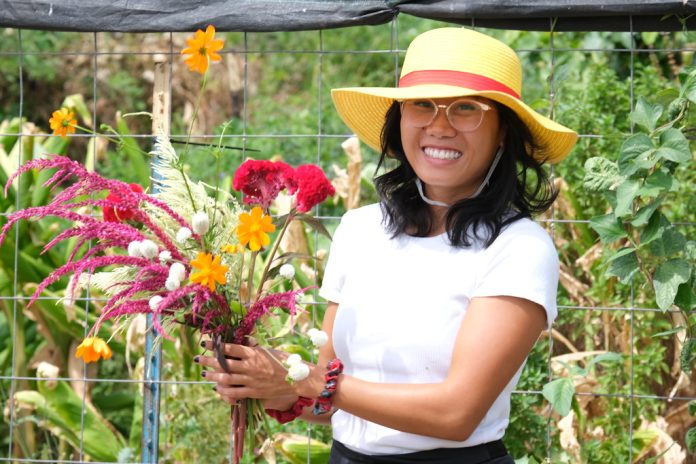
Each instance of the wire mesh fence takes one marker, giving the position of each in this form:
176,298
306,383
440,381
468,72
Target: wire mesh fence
273,90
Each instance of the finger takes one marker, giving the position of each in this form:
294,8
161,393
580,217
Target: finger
226,379
233,393
208,361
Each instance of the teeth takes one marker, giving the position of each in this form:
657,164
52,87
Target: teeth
439,153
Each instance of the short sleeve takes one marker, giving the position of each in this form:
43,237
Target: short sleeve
522,262
335,271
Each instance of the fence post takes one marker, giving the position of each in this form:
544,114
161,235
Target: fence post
153,353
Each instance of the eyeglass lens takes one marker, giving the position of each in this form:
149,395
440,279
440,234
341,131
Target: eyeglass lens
465,115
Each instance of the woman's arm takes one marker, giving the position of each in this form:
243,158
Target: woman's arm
494,339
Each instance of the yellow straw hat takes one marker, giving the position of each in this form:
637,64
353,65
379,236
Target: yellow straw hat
453,62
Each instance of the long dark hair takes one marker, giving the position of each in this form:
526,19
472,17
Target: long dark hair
519,187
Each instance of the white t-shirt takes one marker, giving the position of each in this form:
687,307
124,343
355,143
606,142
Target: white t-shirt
401,303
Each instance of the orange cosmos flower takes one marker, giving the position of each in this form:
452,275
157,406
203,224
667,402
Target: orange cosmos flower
93,349
231,249
202,48
209,270
254,228
63,121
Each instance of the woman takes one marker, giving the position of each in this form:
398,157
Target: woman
438,293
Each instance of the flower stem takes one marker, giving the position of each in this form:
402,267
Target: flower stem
250,276
271,255
188,138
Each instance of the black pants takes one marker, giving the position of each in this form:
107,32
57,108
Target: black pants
487,453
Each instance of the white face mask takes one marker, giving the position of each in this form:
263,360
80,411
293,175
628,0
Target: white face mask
419,184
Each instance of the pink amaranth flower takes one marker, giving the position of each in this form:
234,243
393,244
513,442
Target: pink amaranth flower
261,181
284,300
313,187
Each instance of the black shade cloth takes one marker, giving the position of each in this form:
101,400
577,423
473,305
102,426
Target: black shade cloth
288,15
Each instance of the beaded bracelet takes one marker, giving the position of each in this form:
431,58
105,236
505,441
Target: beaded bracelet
292,413
322,405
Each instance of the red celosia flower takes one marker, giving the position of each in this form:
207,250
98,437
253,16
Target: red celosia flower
116,214
261,181
313,187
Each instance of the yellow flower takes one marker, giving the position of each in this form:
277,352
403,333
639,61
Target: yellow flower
92,349
210,271
232,249
202,48
63,121
254,228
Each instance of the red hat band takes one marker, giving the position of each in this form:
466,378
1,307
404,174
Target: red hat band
457,78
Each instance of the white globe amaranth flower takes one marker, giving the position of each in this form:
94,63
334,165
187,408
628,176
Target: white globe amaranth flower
172,284
165,256
287,271
318,337
183,234
298,372
200,222
154,302
293,359
177,271
46,370
148,249
134,249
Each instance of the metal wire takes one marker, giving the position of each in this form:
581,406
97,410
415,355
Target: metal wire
321,136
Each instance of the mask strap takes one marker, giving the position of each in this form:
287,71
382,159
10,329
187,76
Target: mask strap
498,154
494,164
419,185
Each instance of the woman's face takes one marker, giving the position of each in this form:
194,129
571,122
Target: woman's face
451,163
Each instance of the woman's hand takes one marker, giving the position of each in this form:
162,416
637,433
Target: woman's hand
257,373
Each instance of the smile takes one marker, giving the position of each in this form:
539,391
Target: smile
440,153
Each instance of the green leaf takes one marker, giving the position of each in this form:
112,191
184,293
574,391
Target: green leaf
139,163
560,394
623,264
676,329
690,440
625,194
688,88
608,357
635,154
649,37
658,182
686,297
601,174
656,225
314,223
670,242
673,147
608,227
687,354
644,214
63,410
667,278
646,114
692,408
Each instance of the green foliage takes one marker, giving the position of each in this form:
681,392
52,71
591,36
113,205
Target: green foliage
59,409
643,179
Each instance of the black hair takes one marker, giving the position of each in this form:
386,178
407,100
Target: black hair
512,193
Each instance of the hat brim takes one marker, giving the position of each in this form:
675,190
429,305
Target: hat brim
363,109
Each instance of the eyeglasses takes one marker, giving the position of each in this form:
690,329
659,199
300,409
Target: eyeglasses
465,114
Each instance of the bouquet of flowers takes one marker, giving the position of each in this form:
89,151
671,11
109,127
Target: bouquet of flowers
185,252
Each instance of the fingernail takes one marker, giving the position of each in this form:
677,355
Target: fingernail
204,373
196,359
215,388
